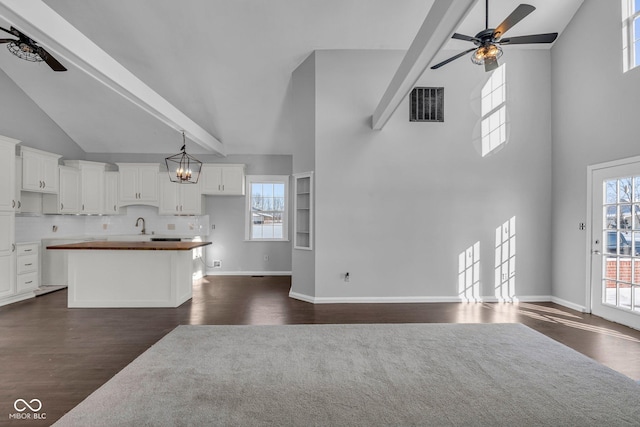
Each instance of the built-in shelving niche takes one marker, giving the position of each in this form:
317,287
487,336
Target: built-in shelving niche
303,190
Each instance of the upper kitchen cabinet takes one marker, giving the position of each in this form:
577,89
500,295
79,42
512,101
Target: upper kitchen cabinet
179,199
222,179
8,202
67,201
138,184
91,185
111,191
39,170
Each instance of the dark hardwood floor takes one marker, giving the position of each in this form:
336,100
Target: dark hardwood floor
60,355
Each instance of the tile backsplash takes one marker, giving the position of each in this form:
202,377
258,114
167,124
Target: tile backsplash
33,228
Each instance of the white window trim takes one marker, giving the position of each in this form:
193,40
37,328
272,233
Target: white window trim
628,42
248,218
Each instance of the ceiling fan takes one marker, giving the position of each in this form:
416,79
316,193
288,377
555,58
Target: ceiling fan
27,49
489,40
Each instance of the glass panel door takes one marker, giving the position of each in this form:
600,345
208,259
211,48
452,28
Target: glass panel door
615,243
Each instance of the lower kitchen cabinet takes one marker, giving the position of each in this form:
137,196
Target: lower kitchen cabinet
27,267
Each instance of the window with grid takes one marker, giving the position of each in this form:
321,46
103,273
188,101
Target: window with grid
266,207
631,33
621,243
494,111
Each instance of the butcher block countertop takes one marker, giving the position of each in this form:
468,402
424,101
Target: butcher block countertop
131,246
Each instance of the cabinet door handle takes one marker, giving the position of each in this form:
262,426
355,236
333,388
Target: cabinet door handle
27,265
44,184
83,206
13,247
177,209
114,208
219,187
13,203
61,206
29,282
19,204
28,250
222,187
40,184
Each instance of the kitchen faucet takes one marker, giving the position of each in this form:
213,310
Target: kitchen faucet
143,229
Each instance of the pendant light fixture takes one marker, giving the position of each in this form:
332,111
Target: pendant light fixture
183,168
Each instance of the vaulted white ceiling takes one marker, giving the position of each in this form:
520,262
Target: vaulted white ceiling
225,64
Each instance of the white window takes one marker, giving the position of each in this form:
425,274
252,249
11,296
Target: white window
266,208
631,33
494,111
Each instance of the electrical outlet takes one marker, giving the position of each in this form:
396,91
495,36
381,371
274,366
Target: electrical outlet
171,226
347,278
217,263
266,258
213,226
105,226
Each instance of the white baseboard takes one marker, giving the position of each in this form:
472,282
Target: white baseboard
370,300
404,300
301,297
247,273
569,304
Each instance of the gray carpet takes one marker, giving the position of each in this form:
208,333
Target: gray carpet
361,375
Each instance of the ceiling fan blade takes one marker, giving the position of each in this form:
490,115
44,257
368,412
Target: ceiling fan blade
463,37
516,16
490,64
534,38
7,40
453,58
50,60
10,32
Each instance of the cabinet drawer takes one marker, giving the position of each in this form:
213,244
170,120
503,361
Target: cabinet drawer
27,282
27,264
27,249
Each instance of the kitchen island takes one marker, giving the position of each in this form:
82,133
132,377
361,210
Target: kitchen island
109,274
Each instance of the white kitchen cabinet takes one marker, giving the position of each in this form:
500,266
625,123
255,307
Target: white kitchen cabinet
39,170
67,201
138,184
27,268
7,220
111,191
179,199
17,185
8,201
222,179
26,201
7,258
91,185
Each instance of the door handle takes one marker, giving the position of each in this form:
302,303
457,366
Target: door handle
596,252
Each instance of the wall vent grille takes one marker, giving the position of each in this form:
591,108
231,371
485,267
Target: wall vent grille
427,104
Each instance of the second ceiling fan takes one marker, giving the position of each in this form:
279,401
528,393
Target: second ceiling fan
489,40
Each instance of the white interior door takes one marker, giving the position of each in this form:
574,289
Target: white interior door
615,241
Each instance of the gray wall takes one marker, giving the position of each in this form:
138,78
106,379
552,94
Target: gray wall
227,213
396,207
595,119
304,126
22,119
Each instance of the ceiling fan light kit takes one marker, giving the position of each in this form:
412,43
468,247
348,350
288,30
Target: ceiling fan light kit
24,51
488,41
27,49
